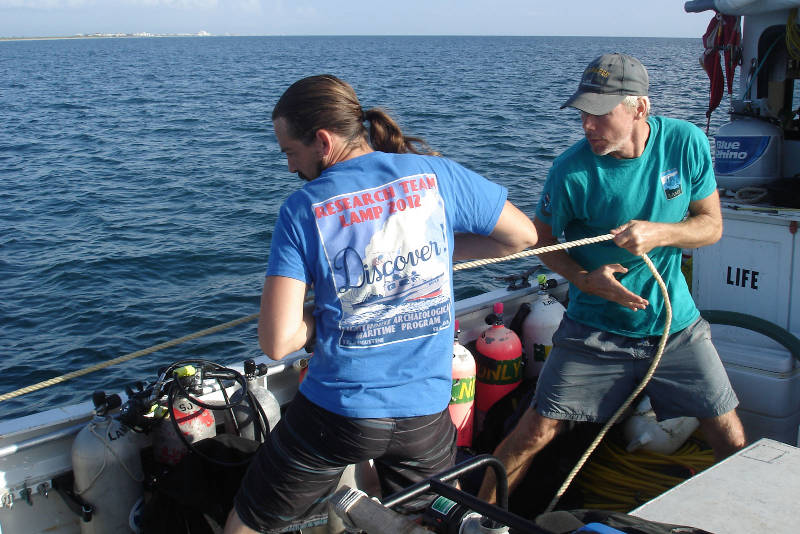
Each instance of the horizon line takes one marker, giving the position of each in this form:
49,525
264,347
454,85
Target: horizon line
144,35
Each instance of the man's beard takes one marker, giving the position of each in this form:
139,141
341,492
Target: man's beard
320,168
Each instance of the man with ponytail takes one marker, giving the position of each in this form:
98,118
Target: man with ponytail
375,231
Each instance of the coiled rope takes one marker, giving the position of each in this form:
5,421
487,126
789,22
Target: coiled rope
793,35
619,481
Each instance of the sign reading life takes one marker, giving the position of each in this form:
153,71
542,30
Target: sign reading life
742,277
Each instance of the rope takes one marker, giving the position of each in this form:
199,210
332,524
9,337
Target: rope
620,481
109,448
533,252
661,344
793,35
751,195
236,322
125,358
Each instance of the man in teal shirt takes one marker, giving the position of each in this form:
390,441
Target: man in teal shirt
649,181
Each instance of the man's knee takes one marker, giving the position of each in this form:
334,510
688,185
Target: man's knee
724,433
534,431
234,524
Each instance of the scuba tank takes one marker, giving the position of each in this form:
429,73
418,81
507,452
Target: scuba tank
257,414
462,395
182,419
539,327
499,362
107,467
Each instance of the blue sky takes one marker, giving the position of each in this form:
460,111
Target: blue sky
649,18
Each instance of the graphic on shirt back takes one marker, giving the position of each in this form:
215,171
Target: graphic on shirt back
387,250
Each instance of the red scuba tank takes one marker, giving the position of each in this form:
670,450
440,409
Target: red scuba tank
462,395
499,365
193,421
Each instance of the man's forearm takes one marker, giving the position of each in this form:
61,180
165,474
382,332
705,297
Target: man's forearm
696,231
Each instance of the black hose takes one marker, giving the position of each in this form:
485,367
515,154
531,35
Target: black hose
260,421
756,324
454,472
499,514
218,373
189,446
231,414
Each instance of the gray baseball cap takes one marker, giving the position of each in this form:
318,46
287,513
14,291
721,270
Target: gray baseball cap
607,81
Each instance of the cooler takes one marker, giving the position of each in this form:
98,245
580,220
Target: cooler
753,269
767,382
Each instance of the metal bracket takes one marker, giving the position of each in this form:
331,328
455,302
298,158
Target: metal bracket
25,493
522,277
63,485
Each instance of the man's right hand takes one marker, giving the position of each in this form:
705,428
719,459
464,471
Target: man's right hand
602,283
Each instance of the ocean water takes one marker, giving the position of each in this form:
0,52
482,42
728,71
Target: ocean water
140,179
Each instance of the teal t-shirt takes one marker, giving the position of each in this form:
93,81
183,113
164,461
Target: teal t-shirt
587,195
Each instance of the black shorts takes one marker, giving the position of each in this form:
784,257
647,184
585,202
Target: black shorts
296,470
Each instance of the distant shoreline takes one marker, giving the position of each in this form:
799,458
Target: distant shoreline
205,34
107,36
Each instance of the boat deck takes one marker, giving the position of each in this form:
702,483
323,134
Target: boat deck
754,490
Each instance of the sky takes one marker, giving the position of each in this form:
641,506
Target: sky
623,18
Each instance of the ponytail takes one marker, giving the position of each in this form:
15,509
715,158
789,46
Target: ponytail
385,135
326,102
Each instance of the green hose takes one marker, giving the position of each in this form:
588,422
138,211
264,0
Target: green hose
756,324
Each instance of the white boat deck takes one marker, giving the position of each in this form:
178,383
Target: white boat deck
755,490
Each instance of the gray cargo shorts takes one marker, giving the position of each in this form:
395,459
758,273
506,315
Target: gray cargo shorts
589,373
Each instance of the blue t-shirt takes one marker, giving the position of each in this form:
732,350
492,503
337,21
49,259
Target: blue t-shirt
374,235
586,195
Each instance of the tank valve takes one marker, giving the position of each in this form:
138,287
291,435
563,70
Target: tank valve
86,512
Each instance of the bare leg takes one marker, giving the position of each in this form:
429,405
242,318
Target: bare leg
234,525
517,450
724,433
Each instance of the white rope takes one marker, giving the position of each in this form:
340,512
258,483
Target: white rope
533,252
630,399
102,365
120,359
